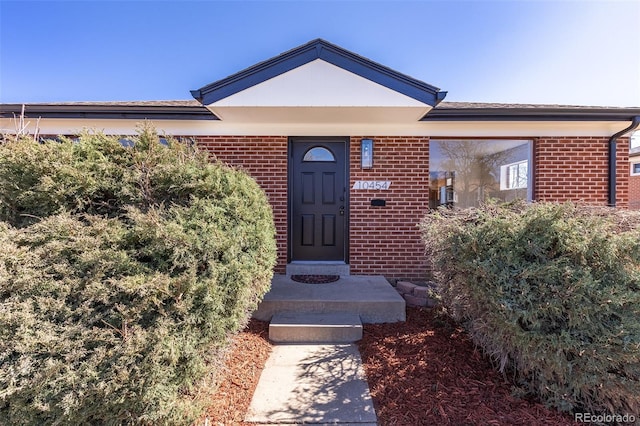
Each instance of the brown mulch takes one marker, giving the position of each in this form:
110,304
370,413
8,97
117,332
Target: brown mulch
245,361
427,372
422,372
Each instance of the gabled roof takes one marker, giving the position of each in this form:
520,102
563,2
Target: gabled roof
335,55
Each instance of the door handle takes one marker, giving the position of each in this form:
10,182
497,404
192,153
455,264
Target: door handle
341,210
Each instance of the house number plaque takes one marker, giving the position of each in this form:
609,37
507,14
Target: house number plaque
372,184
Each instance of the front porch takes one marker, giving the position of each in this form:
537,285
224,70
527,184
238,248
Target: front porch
371,297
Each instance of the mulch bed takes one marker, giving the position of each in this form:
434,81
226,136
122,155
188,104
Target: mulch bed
422,372
245,361
315,279
427,372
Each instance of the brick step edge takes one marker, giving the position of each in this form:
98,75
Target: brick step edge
415,295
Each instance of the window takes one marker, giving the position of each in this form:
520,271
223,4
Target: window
514,176
466,172
318,153
635,169
127,143
45,139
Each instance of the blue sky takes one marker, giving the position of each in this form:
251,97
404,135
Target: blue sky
561,52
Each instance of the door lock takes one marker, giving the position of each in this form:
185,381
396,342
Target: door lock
341,210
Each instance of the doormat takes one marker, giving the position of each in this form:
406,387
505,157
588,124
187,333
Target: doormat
315,279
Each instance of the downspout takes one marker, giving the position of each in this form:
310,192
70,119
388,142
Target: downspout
613,148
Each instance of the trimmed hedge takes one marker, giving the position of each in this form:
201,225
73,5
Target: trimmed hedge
123,272
551,292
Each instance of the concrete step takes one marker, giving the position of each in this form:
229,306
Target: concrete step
370,297
317,268
296,327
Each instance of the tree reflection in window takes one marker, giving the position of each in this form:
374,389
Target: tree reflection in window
318,153
466,172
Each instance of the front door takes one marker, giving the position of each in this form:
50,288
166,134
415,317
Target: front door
318,198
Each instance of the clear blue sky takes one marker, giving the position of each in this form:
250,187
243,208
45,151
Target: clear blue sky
563,52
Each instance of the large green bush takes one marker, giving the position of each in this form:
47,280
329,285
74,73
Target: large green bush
123,272
551,292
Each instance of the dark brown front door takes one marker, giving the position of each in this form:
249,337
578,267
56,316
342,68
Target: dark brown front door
318,198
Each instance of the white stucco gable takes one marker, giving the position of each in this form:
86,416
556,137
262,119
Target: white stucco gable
318,84
318,92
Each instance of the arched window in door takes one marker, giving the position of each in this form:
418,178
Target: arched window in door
318,153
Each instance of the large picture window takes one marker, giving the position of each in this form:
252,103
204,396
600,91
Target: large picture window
466,172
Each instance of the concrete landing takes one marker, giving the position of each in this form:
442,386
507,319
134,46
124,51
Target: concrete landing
369,296
318,268
313,384
288,327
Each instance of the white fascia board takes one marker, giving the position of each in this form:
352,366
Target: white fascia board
317,84
57,126
325,115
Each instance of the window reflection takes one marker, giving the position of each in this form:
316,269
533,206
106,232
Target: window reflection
467,172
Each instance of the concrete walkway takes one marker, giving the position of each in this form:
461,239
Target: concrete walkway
313,384
319,383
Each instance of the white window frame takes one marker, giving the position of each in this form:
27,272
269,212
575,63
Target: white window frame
634,164
504,175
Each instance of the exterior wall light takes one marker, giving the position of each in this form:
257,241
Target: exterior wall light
366,153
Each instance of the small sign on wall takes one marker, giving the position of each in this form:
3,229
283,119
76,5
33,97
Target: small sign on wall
372,184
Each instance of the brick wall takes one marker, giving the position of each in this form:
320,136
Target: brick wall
385,240
634,186
576,169
265,159
622,173
634,192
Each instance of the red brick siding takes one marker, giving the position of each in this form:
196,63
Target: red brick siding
265,159
634,186
622,173
385,240
634,192
576,169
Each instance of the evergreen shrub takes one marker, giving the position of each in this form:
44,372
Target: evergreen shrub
123,272
551,292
